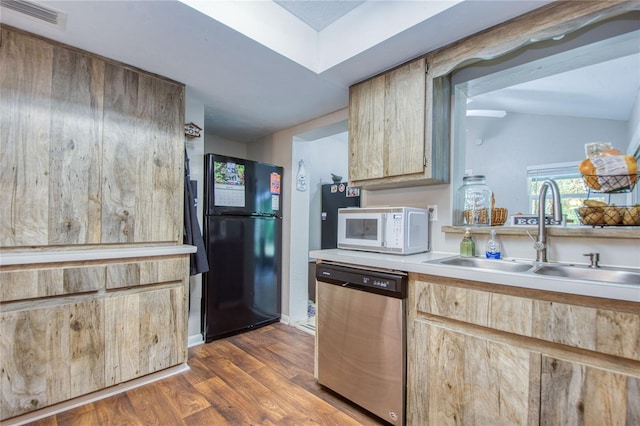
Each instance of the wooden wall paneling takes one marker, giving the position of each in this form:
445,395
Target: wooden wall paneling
404,118
25,120
76,140
120,156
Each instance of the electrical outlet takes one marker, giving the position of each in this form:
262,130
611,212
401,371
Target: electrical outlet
434,213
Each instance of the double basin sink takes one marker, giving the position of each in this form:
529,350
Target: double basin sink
569,271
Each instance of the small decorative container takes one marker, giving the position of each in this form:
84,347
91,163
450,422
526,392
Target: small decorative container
474,199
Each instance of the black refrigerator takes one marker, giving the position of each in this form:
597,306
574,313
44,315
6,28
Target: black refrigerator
243,241
335,196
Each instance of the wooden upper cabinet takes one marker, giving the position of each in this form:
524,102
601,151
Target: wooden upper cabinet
388,140
92,150
143,158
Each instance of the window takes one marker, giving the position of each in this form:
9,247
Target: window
572,188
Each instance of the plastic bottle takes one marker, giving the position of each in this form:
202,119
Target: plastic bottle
493,247
467,245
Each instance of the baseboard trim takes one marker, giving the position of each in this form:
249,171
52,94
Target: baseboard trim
195,340
95,396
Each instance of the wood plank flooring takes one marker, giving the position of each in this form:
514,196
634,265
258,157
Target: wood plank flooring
262,377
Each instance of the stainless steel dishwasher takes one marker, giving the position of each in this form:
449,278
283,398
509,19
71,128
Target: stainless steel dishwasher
360,337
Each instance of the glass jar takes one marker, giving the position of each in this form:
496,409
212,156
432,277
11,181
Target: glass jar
473,202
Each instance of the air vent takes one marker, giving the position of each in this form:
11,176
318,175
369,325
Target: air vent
35,11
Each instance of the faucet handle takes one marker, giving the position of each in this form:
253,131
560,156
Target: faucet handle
594,258
537,245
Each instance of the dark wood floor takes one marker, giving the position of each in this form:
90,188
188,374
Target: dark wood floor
262,377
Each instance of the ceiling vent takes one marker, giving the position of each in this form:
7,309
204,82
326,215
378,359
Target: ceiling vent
35,11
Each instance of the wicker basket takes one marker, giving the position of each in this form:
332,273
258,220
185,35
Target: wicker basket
498,216
609,216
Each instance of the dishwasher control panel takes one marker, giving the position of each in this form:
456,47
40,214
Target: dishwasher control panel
390,284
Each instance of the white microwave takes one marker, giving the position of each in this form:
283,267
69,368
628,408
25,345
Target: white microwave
398,230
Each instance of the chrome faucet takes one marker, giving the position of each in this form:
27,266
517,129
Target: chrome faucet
541,243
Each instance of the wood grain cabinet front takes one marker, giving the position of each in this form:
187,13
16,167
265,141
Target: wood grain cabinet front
50,354
480,353
63,349
388,141
92,149
36,283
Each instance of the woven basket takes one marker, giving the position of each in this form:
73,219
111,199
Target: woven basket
498,216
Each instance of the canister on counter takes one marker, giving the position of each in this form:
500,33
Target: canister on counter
473,199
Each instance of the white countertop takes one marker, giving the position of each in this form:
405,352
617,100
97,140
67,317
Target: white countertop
415,263
54,256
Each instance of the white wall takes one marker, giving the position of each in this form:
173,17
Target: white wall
278,149
215,144
194,112
324,156
512,143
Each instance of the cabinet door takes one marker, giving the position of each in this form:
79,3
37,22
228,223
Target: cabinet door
577,394
366,129
50,354
142,158
455,378
387,124
147,333
25,132
404,115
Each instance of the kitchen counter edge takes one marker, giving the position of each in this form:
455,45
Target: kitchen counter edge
415,263
60,256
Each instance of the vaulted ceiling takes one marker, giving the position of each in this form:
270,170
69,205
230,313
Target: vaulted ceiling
263,66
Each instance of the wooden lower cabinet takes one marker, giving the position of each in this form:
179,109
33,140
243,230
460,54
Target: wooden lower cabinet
578,394
482,354
458,379
62,349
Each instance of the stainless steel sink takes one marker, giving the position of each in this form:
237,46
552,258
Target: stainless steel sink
619,276
480,263
569,271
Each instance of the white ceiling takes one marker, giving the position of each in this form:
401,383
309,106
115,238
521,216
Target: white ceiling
263,66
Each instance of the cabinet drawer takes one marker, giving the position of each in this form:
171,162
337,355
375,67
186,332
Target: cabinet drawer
147,272
502,312
546,318
36,283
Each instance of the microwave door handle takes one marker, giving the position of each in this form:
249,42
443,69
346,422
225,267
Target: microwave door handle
383,231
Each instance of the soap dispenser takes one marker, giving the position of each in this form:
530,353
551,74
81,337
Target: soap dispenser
493,247
467,245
